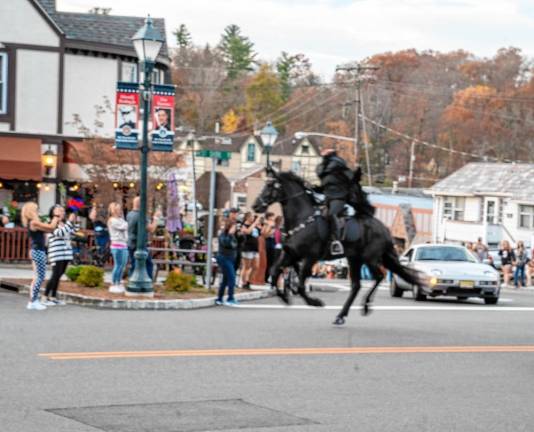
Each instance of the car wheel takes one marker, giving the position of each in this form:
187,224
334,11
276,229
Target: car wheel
491,300
394,289
418,294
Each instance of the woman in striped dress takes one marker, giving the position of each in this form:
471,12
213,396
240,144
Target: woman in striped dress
59,252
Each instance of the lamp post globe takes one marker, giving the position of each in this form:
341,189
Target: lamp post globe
147,43
268,135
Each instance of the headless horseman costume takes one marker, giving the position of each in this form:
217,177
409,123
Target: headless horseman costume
336,180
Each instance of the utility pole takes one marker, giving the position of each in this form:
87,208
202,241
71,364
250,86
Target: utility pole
412,151
412,161
359,70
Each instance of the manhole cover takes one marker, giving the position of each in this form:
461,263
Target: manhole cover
180,416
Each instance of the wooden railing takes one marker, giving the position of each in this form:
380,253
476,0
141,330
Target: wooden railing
15,244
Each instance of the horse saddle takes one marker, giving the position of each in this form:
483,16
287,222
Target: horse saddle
351,229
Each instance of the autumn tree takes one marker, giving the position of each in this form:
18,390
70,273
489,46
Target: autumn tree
263,95
237,51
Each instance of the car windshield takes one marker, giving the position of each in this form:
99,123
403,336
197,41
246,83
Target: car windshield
443,253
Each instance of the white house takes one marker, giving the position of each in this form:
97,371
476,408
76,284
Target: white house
55,66
494,201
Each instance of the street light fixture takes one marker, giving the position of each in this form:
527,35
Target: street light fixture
147,43
49,161
268,135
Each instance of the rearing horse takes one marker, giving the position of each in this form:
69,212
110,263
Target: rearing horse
367,239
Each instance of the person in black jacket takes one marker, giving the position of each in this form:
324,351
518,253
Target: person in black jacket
336,179
226,257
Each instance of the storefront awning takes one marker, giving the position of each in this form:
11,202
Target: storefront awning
20,158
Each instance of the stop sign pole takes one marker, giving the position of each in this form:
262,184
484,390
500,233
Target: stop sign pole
214,155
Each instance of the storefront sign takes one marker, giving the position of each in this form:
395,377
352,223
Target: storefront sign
163,118
127,116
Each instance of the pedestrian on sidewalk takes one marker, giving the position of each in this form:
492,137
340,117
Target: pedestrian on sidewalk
118,233
36,232
226,256
481,250
507,258
270,243
59,252
133,220
249,248
521,260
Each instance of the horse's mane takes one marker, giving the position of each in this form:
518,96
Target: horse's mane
291,176
363,205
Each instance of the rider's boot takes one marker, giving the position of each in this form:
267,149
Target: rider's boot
336,247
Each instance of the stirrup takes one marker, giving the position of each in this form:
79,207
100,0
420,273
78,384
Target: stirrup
336,248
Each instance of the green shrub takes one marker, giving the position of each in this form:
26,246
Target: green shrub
90,276
73,272
180,282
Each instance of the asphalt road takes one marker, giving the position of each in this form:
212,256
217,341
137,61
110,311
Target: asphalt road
433,366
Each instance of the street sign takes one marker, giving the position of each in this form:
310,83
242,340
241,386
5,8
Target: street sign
217,154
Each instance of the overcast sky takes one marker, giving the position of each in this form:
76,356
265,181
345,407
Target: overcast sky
330,32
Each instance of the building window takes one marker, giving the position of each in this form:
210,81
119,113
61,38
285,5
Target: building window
157,76
3,83
526,216
454,208
241,201
129,72
305,149
251,152
296,167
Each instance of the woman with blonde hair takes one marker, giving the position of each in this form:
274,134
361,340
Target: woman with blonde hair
36,232
118,233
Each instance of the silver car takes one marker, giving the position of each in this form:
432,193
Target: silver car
451,271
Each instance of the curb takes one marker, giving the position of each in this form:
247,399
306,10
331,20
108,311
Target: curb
136,304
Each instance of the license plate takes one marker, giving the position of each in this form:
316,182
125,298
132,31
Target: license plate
467,284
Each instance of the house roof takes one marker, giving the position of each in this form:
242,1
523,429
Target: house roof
101,29
515,180
287,146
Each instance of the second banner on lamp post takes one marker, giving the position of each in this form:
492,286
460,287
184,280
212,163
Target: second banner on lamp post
162,133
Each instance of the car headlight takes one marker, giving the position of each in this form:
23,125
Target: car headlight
436,272
433,281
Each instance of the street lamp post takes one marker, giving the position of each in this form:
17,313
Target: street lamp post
147,43
268,136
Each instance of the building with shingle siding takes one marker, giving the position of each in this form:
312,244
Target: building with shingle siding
494,201
55,66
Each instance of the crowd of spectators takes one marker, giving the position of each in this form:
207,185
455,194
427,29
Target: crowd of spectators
515,264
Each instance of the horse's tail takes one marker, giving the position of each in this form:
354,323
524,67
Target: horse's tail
392,263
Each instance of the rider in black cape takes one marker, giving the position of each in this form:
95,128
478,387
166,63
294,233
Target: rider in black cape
336,180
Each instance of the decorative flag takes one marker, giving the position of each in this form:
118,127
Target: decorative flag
163,118
127,116
174,221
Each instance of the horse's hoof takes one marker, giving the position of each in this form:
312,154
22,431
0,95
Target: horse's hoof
315,302
339,321
366,309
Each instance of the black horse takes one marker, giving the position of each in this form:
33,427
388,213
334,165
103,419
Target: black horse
366,239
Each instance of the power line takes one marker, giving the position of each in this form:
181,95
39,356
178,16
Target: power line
412,95
438,147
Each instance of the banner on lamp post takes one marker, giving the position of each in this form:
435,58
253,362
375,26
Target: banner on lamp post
163,118
127,116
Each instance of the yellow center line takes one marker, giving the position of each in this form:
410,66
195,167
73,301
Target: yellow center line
289,352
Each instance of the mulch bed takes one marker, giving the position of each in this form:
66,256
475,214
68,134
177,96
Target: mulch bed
160,293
